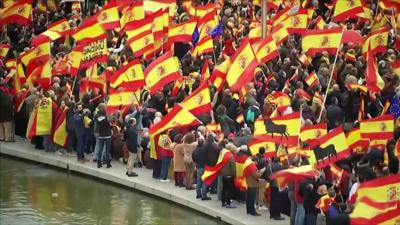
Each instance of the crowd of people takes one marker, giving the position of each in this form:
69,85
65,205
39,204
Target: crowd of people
98,136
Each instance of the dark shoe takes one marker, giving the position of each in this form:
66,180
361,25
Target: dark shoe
198,196
190,188
255,214
206,198
99,165
278,218
109,165
133,175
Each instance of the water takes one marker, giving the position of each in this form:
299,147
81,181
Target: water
34,194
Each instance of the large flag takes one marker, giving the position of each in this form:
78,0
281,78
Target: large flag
61,26
88,30
158,24
267,50
204,46
313,132
355,142
279,34
347,9
212,172
130,76
207,23
244,168
200,10
74,60
199,101
20,99
134,12
376,42
242,69
119,99
161,71
315,41
19,12
46,36
375,83
177,117
154,5
40,120
94,51
140,35
329,148
205,72
296,23
280,16
283,177
287,125
218,76
280,99
4,50
109,16
270,144
60,131
381,127
181,32
370,212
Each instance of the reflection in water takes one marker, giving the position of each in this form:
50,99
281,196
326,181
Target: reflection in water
34,194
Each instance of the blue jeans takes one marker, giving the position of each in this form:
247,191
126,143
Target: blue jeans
299,219
157,169
251,199
81,142
165,162
201,188
310,219
104,144
96,148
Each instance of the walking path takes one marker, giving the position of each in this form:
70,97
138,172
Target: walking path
144,182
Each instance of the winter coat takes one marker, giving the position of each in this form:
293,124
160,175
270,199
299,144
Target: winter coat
104,126
179,165
6,107
131,137
188,151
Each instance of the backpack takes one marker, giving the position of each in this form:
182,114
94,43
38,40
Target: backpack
250,115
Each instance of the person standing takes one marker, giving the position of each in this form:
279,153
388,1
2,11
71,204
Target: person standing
189,146
6,115
252,188
179,165
228,173
167,154
104,137
199,157
275,208
79,132
131,138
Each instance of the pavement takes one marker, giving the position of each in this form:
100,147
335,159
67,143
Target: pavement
144,182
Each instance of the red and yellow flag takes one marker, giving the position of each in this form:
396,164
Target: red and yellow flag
142,43
177,117
214,127
267,50
158,24
4,50
244,168
296,24
204,46
212,172
154,5
20,99
181,32
283,177
291,122
242,69
371,212
134,12
199,101
312,79
315,41
74,60
40,120
109,16
355,142
19,12
206,23
218,76
60,131
61,26
313,132
118,99
90,29
376,42
161,71
130,76
381,127
347,9
281,16
200,10
375,83
255,34
270,144
205,72
279,34
320,23
281,99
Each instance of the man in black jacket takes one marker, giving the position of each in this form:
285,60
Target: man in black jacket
131,140
104,137
199,156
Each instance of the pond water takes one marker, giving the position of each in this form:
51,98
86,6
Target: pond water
35,194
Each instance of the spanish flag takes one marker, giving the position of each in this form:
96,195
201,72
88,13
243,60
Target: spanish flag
161,71
291,121
158,24
355,142
281,16
265,141
61,26
337,173
255,34
40,120
375,83
46,36
214,127
205,72
242,69
296,24
142,43
347,9
267,50
154,5
19,12
313,132
212,172
334,142
312,79
60,131
218,76
200,10
36,56
199,101
118,99
207,23
281,99
4,50
130,76
381,127
371,212
320,23
134,12
244,168
88,30
20,99
137,27
74,60
11,63
283,177
357,87
177,117
42,75
279,34
181,32
204,46
109,16
315,41
376,42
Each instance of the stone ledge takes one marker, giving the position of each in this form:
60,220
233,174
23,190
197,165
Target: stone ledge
144,183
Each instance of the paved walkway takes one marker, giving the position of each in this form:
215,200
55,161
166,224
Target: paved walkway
144,182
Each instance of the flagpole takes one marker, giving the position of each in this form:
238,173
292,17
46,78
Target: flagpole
330,77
